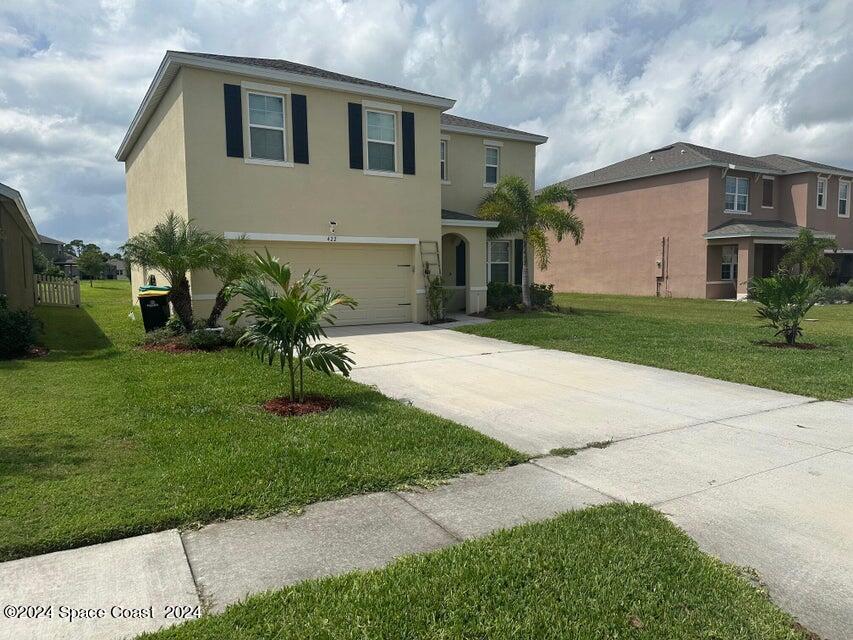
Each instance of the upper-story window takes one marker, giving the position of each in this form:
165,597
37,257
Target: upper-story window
381,141
737,194
266,127
821,193
767,192
843,199
443,160
493,162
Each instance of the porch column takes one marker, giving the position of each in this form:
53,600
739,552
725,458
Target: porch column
745,265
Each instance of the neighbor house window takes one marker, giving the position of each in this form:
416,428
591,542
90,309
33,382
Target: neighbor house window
767,192
266,127
821,193
499,261
728,263
843,199
382,141
443,160
737,194
493,160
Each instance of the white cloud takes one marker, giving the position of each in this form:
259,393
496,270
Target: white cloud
603,79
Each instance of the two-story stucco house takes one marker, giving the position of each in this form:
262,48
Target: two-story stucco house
695,222
371,183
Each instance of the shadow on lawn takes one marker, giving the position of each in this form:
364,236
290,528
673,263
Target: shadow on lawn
41,457
71,331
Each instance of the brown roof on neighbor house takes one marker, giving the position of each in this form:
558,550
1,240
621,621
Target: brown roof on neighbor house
760,228
301,69
680,156
450,120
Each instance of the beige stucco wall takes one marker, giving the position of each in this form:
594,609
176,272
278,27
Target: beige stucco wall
473,297
155,170
467,168
624,223
16,258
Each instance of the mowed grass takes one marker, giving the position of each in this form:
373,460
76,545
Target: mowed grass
616,571
712,338
100,440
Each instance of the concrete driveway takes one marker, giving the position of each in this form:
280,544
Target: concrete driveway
759,478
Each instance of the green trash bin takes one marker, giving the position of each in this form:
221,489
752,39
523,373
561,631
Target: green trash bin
154,305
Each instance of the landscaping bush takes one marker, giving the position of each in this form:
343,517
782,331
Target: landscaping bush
18,331
783,301
205,339
834,295
502,296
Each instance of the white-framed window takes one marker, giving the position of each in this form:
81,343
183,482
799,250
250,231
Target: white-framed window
443,160
843,199
822,186
728,262
381,141
737,194
499,260
266,127
493,163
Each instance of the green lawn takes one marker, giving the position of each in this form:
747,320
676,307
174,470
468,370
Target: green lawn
616,571
100,440
708,337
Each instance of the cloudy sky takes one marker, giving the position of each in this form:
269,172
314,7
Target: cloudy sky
605,80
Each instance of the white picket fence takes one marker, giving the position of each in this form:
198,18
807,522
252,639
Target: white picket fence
58,291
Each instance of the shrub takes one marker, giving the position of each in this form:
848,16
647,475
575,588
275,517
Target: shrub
18,331
437,296
205,339
784,300
502,296
163,336
833,295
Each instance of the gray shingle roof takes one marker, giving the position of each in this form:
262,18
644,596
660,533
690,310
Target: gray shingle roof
49,240
446,214
301,69
760,228
683,155
448,119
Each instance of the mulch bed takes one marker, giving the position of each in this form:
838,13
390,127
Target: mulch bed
286,407
805,346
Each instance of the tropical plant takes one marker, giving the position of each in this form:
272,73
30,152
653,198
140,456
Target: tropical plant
18,330
533,217
230,267
784,300
806,255
285,316
174,247
91,264
437,297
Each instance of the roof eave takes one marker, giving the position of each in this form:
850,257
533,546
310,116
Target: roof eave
501,135
173,61
16,197
775,236
485,224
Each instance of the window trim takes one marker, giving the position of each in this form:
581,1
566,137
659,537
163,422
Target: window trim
732,263
387,109
444,163
251,89
846,200
825,182
736,211
486,165
508,262
772,204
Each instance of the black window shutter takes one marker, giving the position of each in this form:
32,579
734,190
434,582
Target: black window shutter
299,109
233,121
408,142
460,264
519,251
356,144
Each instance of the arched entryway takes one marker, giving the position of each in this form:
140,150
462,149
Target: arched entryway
455,270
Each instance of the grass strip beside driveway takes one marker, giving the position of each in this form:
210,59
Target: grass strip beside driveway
712,338
100,440
616,571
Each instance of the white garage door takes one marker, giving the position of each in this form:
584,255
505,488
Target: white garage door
378,276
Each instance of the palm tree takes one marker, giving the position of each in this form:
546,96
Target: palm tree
287,319
174,247
229,268
806,255
783,301
520,212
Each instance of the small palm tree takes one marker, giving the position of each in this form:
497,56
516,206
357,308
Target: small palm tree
174,247
806,255
784,300
230,267
286,321
520,212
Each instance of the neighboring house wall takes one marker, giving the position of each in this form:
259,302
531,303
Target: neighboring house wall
16,258
155,170
624,226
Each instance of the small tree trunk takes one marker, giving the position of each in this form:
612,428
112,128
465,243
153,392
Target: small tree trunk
292,377
301,382
218,307
525,276
179,296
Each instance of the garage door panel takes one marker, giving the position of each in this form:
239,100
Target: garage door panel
378,277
